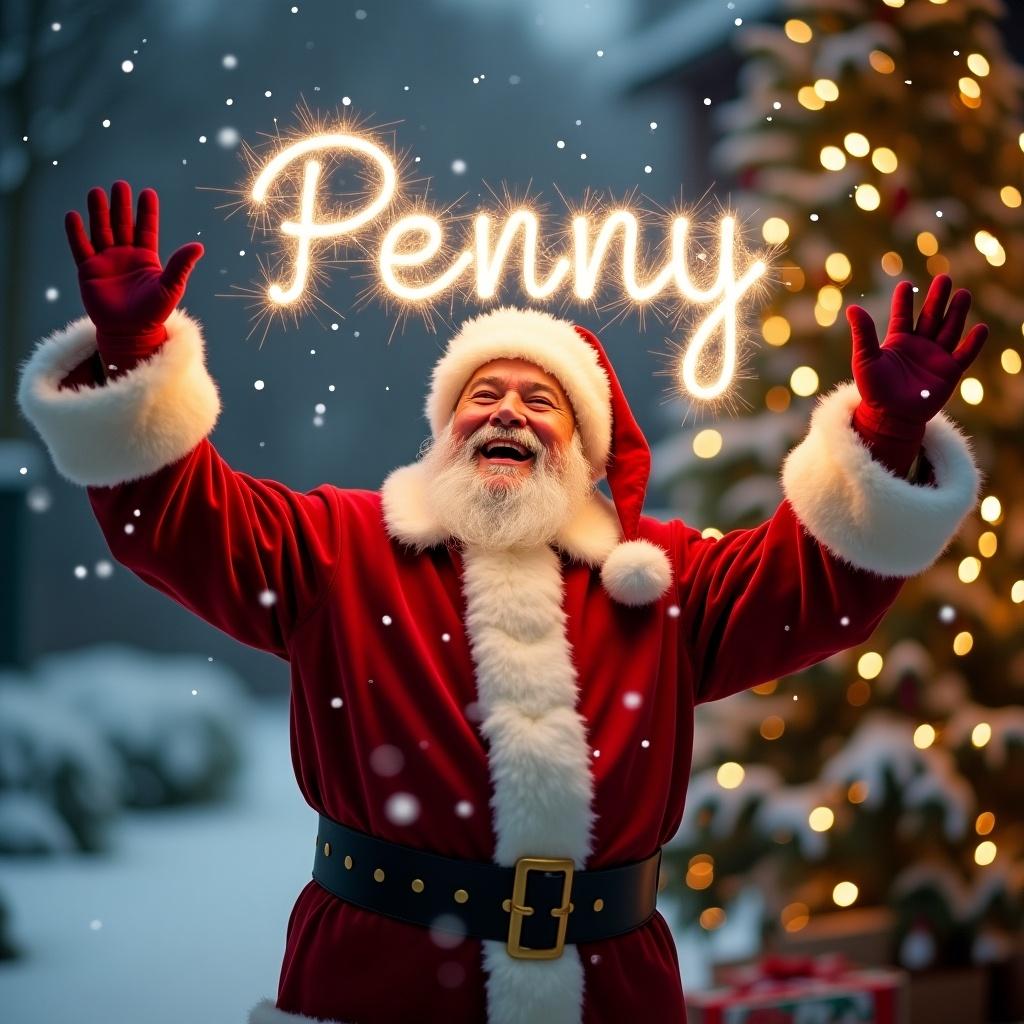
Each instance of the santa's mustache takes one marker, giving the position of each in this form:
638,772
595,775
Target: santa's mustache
489,432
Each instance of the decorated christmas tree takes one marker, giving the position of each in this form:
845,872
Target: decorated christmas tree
873,142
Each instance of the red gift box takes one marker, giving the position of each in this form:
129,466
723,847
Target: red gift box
803,990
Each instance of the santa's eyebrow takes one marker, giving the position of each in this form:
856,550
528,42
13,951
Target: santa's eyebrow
498,381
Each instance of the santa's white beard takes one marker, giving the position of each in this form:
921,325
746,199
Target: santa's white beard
520,510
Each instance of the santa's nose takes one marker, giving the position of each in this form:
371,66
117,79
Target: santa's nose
508,414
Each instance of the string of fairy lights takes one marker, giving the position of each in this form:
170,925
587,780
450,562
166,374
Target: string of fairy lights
803,382
795,916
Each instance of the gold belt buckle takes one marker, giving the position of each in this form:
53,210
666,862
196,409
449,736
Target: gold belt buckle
519,910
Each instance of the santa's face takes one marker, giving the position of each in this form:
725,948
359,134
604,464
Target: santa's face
508,470
522,402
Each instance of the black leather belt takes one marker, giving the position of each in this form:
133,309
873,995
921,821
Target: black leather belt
535,907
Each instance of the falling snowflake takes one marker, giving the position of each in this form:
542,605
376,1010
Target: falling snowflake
447,931
451,974
38,499
267,598
402,808
387,760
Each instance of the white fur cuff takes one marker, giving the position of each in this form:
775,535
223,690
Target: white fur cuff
863,513
129,427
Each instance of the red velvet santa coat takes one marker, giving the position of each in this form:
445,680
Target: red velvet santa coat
522,710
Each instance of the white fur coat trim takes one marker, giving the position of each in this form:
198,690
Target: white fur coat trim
863,513
129,427
588,537
538,756
266,1012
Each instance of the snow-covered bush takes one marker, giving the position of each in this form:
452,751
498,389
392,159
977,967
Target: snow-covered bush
174,720
59,779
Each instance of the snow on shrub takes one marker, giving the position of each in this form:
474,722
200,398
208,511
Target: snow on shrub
174,720
59,780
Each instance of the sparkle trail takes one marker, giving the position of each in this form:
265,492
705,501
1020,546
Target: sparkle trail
415,240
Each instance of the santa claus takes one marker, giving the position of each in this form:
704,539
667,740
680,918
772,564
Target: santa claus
494,669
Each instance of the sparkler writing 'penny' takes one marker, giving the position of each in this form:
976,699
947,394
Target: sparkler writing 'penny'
415,262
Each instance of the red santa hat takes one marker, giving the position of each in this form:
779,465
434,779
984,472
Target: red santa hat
636,572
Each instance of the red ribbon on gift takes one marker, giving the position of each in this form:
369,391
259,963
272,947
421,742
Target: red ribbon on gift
774,968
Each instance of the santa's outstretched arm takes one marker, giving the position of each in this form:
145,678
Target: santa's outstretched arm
909,378
858,519
124,403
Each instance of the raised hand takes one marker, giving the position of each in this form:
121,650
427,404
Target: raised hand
125,291
914,372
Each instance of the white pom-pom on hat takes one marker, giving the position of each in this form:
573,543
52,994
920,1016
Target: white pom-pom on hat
637,572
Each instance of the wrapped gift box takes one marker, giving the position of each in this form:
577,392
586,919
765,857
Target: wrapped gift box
803,990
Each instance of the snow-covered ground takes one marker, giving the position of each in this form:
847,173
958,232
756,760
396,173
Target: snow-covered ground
186,920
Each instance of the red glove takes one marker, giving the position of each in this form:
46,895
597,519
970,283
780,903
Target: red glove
124,290
904,382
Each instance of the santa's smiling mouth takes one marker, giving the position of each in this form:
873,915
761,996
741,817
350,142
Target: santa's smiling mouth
505,451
